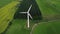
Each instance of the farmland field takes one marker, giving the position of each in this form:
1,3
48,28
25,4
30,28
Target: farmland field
4,2
6,15
52,27
50,10
18,26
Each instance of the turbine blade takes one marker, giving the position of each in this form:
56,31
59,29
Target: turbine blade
29,8
23,12
30,16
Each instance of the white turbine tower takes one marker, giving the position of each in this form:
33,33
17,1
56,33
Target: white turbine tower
28,15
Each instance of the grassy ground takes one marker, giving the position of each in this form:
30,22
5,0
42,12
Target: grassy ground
49,8
52,27
18,27
4,2
6,15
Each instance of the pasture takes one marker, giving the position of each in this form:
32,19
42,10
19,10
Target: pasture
50,10
52,27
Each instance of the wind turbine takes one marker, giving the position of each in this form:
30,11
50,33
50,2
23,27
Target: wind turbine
28,15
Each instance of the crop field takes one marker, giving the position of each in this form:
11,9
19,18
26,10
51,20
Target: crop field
50,24
6,15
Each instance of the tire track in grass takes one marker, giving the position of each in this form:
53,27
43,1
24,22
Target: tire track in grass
33,28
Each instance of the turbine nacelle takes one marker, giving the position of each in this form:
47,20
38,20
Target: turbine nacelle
27,14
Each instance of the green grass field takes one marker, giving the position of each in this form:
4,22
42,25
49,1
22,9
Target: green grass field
6,15
4,2
18,27
50,9
47,28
